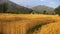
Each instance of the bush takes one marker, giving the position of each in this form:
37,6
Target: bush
57,10
44,12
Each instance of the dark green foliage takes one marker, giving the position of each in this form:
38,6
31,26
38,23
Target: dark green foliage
57,10
3,7
44,12
19,11
36,12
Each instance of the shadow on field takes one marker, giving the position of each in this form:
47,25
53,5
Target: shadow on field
31,31
1,33
36,28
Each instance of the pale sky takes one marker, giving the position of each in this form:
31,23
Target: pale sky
32,3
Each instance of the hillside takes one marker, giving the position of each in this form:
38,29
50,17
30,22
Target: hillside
3,1
15,8
18,9
41,8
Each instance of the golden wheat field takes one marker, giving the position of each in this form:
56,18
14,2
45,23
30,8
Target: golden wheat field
23,23
52,28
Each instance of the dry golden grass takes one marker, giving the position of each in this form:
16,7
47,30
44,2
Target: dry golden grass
52,28
21,23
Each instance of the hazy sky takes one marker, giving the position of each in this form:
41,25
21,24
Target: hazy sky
31,3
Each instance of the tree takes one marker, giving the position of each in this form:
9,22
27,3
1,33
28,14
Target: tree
3,7
44,12
57,10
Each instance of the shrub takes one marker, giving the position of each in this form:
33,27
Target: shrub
44,12
57,10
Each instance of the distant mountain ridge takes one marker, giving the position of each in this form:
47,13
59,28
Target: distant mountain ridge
12,7
41,8
18,9
15,8
3,1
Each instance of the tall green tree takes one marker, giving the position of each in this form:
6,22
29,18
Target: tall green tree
3,7
57,10
44,12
